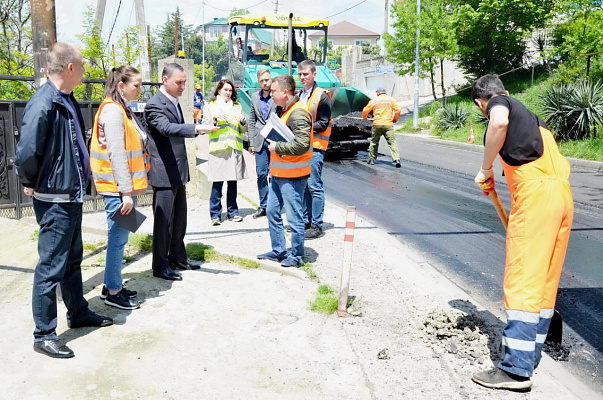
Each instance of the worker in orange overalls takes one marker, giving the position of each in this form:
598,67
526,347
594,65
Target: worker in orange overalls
540,222
386,111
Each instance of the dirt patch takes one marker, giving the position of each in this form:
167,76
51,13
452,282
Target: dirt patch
464,335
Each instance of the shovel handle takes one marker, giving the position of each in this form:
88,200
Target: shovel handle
502,214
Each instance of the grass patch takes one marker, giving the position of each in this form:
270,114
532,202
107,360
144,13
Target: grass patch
249,200
34,236
141,242
462,134
308,268
90,247
588,149
326,300
202,252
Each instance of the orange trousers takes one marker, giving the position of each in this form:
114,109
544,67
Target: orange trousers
540,222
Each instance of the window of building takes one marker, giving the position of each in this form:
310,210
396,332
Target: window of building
215,32
361,42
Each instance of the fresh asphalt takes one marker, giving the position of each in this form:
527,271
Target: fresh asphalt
433,205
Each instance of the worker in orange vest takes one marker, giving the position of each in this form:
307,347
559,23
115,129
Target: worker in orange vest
386,111
318,103
290,168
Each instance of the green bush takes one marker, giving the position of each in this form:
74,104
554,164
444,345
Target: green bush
574,111
453,116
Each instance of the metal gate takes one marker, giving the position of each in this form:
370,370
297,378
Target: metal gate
13,203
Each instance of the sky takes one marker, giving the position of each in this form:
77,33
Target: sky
368,14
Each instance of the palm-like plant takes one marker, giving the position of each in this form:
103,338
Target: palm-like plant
574,111
453,116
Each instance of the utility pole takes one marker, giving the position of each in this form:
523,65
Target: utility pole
415,114
145,66
385,27
100,13
176,35
274,30
203,51
44,35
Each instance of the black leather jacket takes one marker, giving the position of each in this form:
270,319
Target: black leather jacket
47,157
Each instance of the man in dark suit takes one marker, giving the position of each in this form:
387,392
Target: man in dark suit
169,172
261,107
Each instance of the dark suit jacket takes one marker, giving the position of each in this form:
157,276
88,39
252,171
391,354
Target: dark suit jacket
169,164
257,121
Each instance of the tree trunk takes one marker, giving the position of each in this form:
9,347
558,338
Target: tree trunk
442,81
435,97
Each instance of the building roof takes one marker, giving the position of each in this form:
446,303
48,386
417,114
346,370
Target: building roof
345,28
263,35
218,21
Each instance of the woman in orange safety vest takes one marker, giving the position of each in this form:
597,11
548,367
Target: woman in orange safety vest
117,160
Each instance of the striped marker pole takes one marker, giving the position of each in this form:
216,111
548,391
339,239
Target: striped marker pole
348,243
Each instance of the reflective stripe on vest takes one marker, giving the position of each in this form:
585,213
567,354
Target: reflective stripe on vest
287,166
228,135
100,164
319,140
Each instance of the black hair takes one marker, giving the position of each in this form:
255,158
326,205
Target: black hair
486,87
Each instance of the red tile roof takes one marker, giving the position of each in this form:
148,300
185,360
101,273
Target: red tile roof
345,28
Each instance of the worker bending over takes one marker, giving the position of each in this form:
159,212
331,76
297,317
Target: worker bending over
386,111
540,221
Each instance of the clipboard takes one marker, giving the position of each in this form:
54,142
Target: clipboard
131,221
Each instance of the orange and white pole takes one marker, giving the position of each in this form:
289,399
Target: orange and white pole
346,268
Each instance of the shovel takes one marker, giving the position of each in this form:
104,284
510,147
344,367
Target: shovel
555,333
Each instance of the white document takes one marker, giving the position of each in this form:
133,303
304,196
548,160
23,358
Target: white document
276,130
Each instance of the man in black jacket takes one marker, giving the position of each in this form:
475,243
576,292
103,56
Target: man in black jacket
53,166
169,173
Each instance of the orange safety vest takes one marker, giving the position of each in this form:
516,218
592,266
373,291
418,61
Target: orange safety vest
287,166
319,140
101,165
386,110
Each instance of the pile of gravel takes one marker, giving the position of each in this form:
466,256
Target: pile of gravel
465,336
357,121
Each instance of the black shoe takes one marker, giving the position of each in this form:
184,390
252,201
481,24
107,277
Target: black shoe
92,320
307,226
371,162
124,290
398,164
496,378
184,265
272,256
120,300
313,233
261,212
53,348
167,274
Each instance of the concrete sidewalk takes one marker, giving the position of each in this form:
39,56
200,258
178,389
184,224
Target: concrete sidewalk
226,332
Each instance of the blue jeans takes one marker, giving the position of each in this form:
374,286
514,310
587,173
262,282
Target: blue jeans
116,242
215,200
262,166
314,195
288,193
60,249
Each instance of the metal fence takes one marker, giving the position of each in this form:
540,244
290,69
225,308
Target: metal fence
13,202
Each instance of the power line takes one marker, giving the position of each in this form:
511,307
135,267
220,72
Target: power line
347,9
114,21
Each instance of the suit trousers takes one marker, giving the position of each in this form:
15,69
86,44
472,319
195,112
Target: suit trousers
169,226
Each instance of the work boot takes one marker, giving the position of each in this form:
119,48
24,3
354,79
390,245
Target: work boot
397,163
371,162
314,232
496,378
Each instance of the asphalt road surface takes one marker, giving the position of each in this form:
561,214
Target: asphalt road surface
432,204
